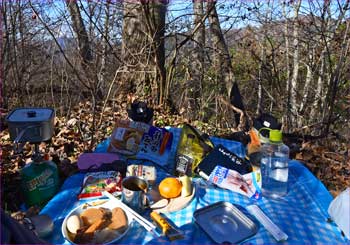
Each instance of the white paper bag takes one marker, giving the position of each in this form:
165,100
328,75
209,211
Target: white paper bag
339,210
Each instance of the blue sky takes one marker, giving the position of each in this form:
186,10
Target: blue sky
234,14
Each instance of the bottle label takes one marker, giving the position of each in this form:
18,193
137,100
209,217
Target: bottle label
183,164
41,180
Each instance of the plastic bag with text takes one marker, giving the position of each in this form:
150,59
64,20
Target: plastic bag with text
248,184
141,140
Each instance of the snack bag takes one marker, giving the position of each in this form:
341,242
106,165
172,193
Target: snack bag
95,183
201,146
248,184
141,140
126,137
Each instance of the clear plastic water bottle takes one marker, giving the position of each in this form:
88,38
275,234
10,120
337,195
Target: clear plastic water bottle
274,166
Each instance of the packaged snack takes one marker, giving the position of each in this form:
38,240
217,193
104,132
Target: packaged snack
95,183
192,147
126,137
248,184
141,140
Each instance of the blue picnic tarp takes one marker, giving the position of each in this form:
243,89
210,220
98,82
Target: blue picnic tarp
302,214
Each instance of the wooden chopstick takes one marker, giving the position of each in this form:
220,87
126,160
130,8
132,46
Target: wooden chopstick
141,220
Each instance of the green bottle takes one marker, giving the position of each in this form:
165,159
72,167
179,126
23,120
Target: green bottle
40,182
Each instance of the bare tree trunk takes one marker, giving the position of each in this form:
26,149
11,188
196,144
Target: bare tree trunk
319,88
86,55
143,48
335,77
294,79
133,45
222,59
259,107
80,31
327,83
287,117
17,83
105,40
308,80
155,19
286,37
197,64
5,54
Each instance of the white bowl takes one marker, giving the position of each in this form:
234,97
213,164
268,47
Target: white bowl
110,205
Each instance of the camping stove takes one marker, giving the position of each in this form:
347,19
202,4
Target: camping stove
33,125
40,177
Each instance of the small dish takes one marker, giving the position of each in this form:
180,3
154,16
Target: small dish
225,223
173,204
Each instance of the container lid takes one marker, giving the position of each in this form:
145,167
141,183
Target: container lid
266,121
275,135
30,115
225,223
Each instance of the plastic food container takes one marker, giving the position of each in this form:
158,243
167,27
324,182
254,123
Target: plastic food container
224,223
33,125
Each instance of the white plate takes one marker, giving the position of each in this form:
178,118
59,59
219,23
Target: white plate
174,204
108,204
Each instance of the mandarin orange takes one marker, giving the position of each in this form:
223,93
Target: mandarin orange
170,187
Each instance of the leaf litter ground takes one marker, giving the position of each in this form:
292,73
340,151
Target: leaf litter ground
327,159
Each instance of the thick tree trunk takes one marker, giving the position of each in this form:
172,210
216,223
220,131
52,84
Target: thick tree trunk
80,31
222,59
143,48
197,63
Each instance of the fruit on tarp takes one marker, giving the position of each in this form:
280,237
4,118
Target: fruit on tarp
186,186
170,187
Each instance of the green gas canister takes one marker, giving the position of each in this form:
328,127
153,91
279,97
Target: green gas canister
40,182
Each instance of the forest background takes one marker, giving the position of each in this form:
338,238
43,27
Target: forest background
89,59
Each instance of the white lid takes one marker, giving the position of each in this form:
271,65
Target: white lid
30,115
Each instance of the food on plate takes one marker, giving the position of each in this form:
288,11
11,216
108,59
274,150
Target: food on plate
91,215
170,187
74,223
186,186
119,219
97,225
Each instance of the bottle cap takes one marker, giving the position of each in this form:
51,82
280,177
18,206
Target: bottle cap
275,135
